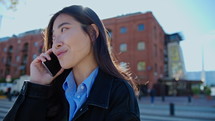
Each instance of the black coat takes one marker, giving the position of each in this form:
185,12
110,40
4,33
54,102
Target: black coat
110,99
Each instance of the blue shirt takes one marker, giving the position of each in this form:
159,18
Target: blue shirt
77,96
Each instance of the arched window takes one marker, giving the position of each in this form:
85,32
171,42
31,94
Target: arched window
10,49
25,47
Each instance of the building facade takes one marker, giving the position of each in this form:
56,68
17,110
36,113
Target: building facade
17,52
176,67
138,42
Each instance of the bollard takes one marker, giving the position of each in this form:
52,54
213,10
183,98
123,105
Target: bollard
189,99
163,98
171,109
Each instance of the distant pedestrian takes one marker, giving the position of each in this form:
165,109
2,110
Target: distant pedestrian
8,93
152,95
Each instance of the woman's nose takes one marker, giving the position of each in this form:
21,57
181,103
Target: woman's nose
57,43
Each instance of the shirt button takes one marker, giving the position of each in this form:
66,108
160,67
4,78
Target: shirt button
82,87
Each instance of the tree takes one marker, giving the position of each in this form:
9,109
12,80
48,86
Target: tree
10,4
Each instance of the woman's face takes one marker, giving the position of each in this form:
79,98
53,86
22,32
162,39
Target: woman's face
70,43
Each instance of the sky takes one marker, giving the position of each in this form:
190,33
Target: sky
193,18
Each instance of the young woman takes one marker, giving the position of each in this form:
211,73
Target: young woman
89,87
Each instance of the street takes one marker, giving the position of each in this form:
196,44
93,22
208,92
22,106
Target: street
158,111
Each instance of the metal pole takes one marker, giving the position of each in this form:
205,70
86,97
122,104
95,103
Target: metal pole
172,109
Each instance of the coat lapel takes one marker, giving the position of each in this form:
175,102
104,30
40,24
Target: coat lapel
99,94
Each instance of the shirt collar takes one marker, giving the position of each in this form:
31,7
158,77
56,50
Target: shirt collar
88,82
69,82
101,89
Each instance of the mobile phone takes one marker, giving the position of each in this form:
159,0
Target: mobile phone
53,65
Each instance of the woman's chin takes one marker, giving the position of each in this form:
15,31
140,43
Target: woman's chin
65,66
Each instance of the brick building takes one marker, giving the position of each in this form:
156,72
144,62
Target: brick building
17,52
138,41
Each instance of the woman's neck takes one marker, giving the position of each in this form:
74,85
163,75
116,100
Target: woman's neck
84,69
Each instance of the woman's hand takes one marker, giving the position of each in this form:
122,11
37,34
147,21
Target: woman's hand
38,73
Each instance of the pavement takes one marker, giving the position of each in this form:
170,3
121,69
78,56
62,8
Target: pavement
183,100
199,109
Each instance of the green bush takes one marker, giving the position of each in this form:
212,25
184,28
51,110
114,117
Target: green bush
2,80
207,91
196,90
1,92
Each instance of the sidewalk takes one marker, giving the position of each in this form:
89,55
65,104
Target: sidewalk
2,97
199,109
201,101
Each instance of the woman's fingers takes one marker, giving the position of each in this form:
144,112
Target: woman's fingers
49,51
44,57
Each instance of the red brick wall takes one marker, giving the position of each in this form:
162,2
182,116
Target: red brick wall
150,36
18,53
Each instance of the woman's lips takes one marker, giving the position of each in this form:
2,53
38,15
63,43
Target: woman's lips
60,53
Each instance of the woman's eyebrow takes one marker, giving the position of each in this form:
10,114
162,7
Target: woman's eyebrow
62,24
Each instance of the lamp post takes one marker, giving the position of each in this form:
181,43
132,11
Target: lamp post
203,67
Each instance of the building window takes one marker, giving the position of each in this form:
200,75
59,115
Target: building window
123,47
35,44
110,33
123,65
4,61
19,41
161,54
161,70
23,70
140,46
9,59
40,50
5,49
156,68
173,37
10,49
17,58
7,72
34,56
25,48
140,27
155,50
24,59
141,66
123,30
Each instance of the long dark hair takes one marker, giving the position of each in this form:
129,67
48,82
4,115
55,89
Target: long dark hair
101,46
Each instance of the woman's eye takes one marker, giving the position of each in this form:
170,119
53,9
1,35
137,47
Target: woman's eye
63,29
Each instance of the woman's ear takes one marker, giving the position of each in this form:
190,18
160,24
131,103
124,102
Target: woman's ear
96,31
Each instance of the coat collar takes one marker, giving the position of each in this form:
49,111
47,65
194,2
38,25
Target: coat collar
100,91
